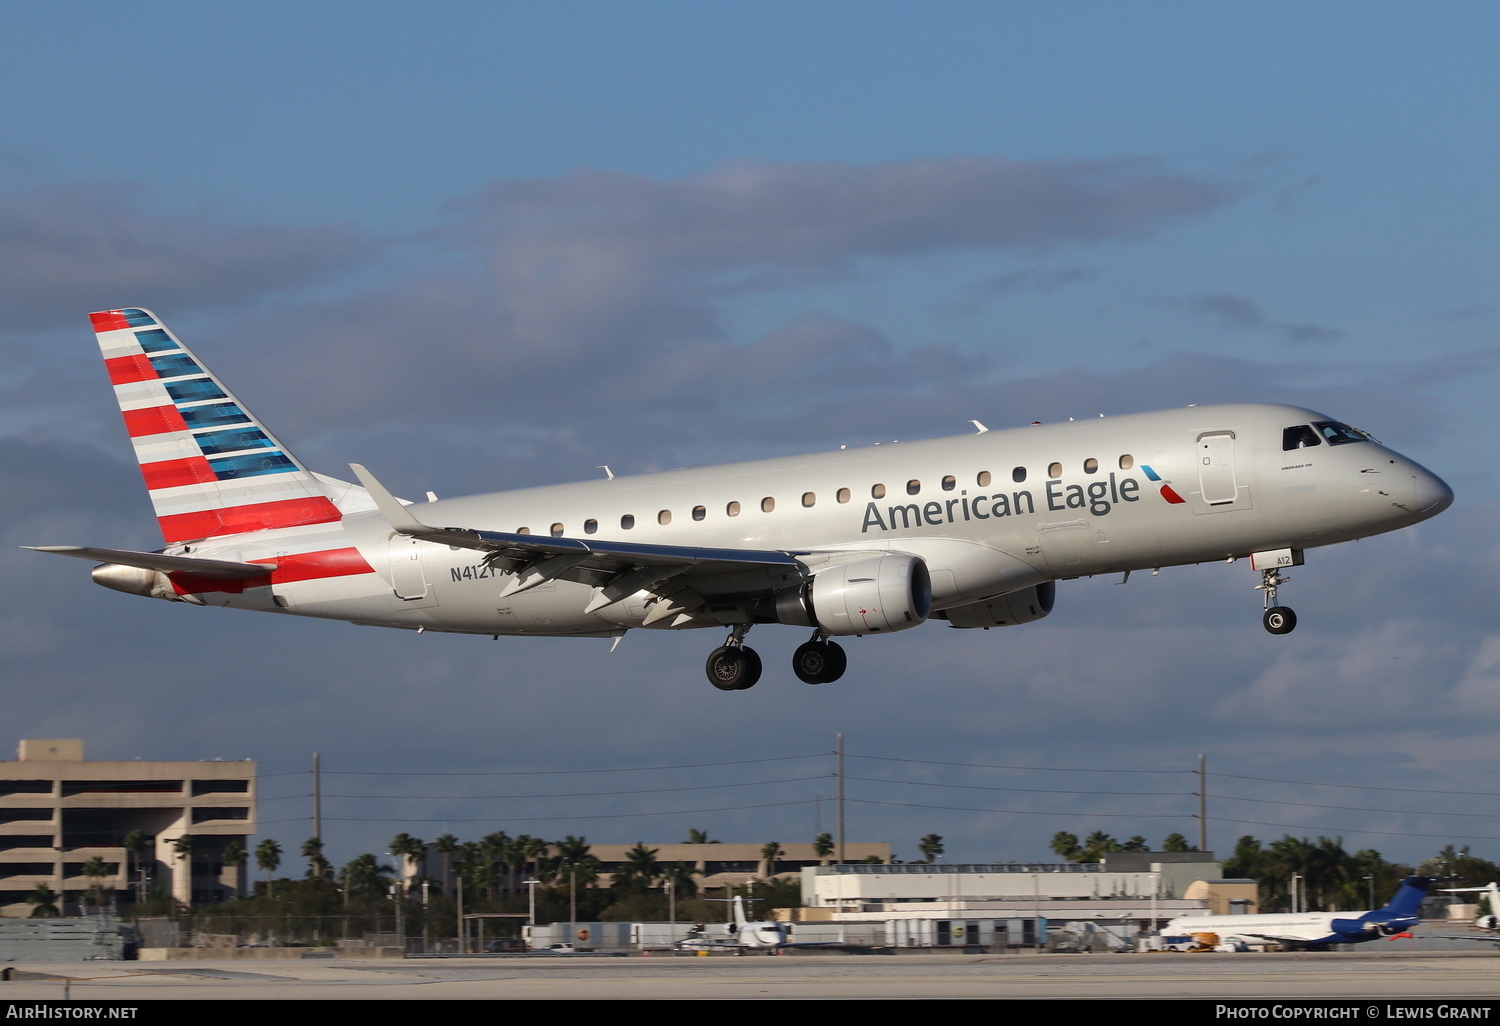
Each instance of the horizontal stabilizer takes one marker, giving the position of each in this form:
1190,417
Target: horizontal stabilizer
159,561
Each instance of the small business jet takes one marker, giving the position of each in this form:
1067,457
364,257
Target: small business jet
744,934
1490,920
1314,929
973,530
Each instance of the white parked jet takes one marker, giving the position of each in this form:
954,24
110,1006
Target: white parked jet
1491,890
764,935
973,530
1314,929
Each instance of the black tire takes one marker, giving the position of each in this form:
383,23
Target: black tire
1280,620
810,662
733,668
752,668
838,662
819,662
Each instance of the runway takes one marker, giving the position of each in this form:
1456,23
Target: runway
1357,976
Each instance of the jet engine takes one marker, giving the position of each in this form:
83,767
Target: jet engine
889,592
1488,922
1018,607
134,580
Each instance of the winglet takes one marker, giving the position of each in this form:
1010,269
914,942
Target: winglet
398,516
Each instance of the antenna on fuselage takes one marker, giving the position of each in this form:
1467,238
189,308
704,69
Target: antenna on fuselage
978,427
607,472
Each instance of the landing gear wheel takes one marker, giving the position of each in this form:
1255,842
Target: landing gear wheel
1280,620
819,662
733,668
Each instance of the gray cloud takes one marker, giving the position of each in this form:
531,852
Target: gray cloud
66,250
1239,313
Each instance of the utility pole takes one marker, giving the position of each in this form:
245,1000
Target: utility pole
1202,804
839,751
317,799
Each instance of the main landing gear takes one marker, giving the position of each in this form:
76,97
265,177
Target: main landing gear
734,667
1278,619
819,661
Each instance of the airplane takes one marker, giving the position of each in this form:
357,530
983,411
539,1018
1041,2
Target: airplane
753,936
1490,920
1315,929
972,530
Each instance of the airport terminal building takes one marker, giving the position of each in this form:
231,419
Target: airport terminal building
59,811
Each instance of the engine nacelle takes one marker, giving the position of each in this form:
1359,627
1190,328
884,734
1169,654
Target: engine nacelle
889,592
135,580
1488,922
1017,607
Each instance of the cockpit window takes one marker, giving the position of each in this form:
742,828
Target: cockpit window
1300,437
1339,434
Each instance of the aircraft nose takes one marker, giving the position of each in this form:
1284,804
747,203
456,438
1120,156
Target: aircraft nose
1432,493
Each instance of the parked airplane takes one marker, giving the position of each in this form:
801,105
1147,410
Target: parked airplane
742,933
1311,929
974,530
1491,919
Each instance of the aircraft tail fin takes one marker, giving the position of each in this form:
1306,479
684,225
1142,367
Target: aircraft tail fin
211,467
1409,898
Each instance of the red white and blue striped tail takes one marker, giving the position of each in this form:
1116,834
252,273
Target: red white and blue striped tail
211,467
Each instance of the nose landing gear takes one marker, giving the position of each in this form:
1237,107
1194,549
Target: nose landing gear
732,666
1278,619
819,661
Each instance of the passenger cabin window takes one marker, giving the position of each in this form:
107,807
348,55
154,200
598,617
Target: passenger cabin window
523,530
843,495
627,522
732,510
913,486
949,483
1339,434
767,504
1126,462
983,480
699,512
557,530
808,499
1091,466
1054,471
664,517
878,492
1300,437
1018,475
591,527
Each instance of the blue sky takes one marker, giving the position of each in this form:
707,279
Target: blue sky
476,246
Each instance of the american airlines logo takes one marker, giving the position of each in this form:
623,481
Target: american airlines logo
1099,498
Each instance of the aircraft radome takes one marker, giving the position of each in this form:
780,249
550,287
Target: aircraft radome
973,530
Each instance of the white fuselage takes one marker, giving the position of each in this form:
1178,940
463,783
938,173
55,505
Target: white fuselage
990,514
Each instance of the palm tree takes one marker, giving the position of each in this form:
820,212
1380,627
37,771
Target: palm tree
1066,845
96,869
317,866
823,846
45,900
769,853
447,847
412,849
268,859
640,865
136,846
931,847
364,875
699,837
235,855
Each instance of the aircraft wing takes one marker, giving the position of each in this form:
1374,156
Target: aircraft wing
159,561
620,568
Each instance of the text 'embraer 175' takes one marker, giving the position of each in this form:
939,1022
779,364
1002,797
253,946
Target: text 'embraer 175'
974,530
